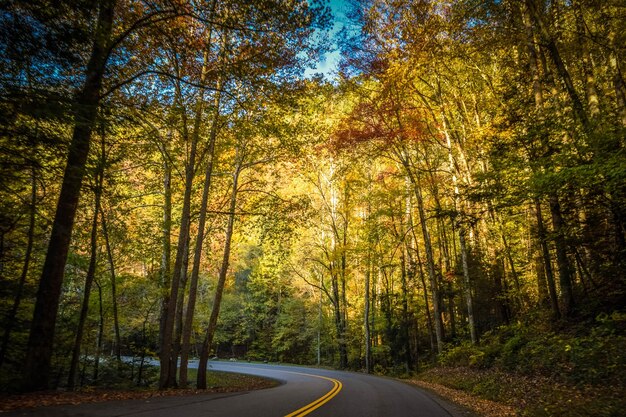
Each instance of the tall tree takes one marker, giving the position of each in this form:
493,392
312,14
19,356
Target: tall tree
41,339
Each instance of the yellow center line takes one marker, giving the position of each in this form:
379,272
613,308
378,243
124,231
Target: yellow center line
320,401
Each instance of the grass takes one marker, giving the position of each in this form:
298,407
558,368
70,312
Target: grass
217,382
527,396
539,372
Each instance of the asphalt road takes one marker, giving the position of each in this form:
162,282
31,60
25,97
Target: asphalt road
304,391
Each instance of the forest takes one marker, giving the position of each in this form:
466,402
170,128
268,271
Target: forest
172,186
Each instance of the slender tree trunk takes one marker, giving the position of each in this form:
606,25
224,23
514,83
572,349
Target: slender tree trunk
593,103
404,328
409,246
338,320
219,289
96,364
561,69
429,319
116,320
430,261
91,272
193,286
319,325
509,258
618,80
167,375
11,316
533,57
565,272
366,314
41,339
180,307
165,278
531,15
467,289
499,281
343,348
538,263
543,241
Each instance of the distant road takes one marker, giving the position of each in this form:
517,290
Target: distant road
304,391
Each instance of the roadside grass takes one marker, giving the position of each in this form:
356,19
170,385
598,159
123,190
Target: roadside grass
218,381
522,395
114,389
540,372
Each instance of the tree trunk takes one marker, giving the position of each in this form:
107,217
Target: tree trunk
467,289
11,316
543,241
338,321
116,320
366,314
404,328
429,319
219,289
41,339
405,159
91,272
618,80
593,103
561,69
193,286
565,272
165,273
430,263
180,307
535,253
343,349
168,376
96,364
531,14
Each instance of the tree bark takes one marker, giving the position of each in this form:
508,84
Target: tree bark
430,261
91,272
467,289
565,271
166,245
167,376
343,354
429,319
404,328
41,339
219,289
96,364
531,14
618,80
560,66
366,314
116,320
593,103
543,241
193,285
11,316
180,307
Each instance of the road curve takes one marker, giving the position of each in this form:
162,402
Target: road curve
304,391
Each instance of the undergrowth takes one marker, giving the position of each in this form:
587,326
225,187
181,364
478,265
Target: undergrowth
573,373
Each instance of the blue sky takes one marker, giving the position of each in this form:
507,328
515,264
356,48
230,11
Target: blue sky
328,66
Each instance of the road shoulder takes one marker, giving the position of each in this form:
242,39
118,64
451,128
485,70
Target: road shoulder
461,404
